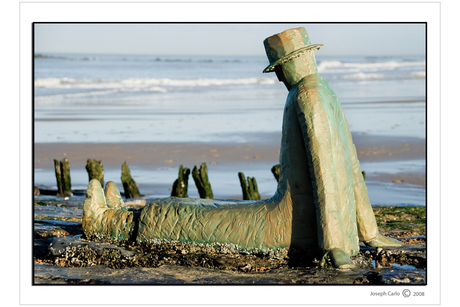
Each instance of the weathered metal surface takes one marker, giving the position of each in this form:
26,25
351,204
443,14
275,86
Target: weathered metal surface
321,200
317,141
104,216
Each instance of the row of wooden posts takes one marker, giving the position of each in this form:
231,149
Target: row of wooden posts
179,189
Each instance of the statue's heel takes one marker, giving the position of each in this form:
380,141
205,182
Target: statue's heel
341,259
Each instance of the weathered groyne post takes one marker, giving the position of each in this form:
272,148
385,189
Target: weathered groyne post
57,172
250,189
95,170
129,185
276,172
180,185
200,176
62,171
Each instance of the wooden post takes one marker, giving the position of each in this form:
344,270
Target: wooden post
65,175
180,186
95,170
250,189
129,185
276,172
62,172
57,172
253,189
200,176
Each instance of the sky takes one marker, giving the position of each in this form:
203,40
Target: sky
375,39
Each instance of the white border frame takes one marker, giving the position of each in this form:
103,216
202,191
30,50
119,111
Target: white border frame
231,12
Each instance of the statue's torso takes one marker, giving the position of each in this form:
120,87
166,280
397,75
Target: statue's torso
326,158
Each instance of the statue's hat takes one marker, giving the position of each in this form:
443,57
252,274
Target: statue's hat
287,45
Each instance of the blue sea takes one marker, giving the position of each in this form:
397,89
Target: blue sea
94,98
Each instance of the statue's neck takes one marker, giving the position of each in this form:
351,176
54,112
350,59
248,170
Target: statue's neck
298,68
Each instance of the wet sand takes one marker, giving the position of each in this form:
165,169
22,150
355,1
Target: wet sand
371,149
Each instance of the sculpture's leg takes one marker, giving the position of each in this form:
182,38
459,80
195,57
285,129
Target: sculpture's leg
367,225
341,259
102,222
310,137
382,241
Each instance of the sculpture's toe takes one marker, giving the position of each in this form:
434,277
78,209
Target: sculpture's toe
93,207
341,259
95,193
382,241
113,196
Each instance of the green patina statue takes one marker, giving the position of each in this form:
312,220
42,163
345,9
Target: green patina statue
321,201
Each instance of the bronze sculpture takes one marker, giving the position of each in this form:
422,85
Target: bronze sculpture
321,199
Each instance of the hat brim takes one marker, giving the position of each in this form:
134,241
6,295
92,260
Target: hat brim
291,56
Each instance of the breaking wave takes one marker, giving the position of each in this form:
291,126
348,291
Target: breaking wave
133,84
56,57
374,70
371,76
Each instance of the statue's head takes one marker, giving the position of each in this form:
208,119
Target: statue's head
287,45
283,48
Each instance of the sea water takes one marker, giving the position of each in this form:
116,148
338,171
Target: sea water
135,98
94,98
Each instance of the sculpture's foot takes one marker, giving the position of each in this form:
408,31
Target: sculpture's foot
382,241
341,259
104,215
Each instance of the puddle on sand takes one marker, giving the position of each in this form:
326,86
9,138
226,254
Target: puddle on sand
396,266
403,266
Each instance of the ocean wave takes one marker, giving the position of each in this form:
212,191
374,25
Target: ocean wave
378,76
350,67
143,83
419,74
188,60
45,56
131,58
